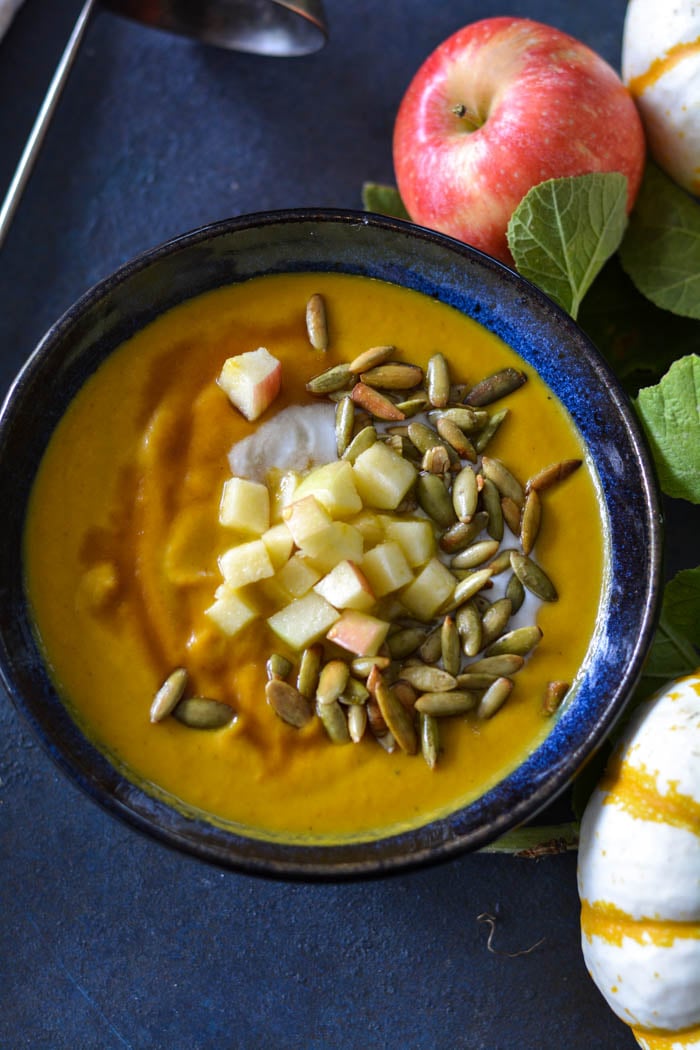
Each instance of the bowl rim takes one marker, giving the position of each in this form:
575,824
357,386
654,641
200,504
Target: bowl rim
441,838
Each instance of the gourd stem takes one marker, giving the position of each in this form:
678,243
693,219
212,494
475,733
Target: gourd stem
534,842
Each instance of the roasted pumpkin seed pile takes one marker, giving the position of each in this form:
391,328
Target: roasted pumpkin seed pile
465,660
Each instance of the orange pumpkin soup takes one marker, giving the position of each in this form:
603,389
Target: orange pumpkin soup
123,540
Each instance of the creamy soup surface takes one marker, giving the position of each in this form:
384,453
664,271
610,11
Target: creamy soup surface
123,541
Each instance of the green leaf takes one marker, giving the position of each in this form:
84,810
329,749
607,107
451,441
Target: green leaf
674,652
670,413
661,250
639,340
563,230
383,199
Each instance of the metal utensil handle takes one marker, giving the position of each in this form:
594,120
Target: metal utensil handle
41,124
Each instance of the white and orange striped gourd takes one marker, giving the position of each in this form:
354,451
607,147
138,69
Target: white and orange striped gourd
639,872
661,68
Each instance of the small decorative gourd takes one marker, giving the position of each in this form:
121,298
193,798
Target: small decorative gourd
639,872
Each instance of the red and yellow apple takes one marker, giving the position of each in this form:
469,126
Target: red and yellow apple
500,106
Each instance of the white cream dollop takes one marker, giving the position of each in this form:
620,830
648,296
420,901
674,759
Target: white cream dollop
297,438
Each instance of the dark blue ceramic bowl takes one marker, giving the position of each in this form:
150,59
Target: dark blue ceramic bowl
437,266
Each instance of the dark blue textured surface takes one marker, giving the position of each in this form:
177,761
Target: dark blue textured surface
107,939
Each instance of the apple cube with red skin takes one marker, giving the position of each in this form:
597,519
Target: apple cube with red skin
382,476
431,588
251,381
386,568
500,106
346,587
245,505
359,633
230,612
304,621
245,563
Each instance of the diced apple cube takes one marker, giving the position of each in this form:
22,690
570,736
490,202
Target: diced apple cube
337,542
430,589
245,505
251,381
386,568
305,517
382,476
304,621
333,485
346,587
370,525
283,485
245,563
279,543
298,576
415,538
230,612
359,633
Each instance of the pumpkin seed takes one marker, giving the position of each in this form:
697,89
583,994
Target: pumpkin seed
501,562
506,483
428,679
450,646
435,500
429,739
455,437
465,494
476,554
200,712
482,439
551,475
357,723
362,665
553,695
387,741
494,622
458,392
515,591
169,695
360,443
413,405
369,358
492,505
431,649
475,682
436,460
354,693
424,437
511,514
309,670
344,423
499,665
334,722
332,681
495,386
533,577
405,641
520,641
376,404
397,718
335,378
405,694
375,718
438,381
469,420
288,703
467,587
469,628
442,705
461,534
393,376
494,698
530,524
278,666
317,322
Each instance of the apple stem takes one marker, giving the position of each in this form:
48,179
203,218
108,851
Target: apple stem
469,119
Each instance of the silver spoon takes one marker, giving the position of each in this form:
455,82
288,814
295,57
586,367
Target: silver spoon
263,27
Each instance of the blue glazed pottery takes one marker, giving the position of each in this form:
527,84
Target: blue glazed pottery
546,338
